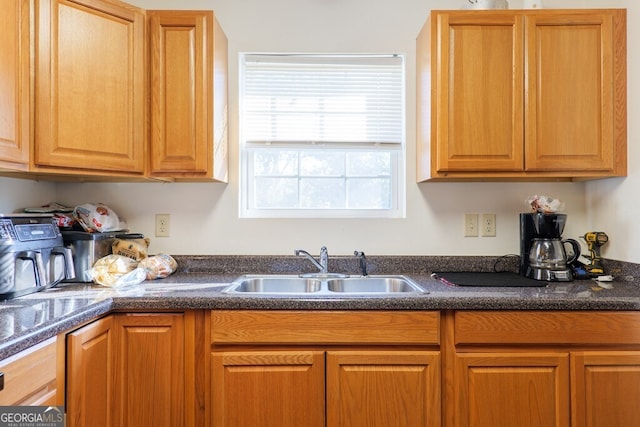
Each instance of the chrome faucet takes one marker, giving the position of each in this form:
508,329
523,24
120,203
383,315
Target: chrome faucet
323,265
363,262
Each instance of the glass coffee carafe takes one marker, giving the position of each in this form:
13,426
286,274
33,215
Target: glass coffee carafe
547,256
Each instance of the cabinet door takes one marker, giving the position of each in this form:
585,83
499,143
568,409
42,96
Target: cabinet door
383,388
90,86
605,388
90,374
523,389
30,377
570,92
14,84
268,388
188,95
150,370
477,122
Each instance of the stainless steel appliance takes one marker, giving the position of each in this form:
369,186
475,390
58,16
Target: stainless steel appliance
32,254
87,248
542,250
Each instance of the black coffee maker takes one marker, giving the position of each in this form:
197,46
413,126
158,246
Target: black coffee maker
542,249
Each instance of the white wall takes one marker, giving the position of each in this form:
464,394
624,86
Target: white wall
17,194
613,205
204,217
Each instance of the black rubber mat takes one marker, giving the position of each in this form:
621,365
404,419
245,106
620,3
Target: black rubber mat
503,279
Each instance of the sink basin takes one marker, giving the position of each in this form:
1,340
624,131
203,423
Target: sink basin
279,284
372,285
322,285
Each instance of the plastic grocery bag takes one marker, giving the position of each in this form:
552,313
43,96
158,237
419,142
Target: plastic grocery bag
98,217
545,204
158,266
117,271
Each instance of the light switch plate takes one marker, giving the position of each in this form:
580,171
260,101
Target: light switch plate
470,225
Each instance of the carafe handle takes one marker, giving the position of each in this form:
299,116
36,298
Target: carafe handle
576,249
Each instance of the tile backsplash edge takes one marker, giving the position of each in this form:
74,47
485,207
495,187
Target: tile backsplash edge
274,264
287,264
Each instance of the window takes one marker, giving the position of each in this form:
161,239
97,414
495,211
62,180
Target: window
322,136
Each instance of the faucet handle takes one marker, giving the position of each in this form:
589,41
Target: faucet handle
363,262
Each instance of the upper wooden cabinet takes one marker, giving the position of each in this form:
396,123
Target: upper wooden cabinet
101,89
522,95
89,88
188,68
14,84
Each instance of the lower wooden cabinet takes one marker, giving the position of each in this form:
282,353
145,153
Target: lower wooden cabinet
365,388
127,370
383,388
237,368
90,374
606,388
325,368
30,377
150,372
503,389
268,388
544,368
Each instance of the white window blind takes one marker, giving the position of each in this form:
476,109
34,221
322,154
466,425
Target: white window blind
322,135
320,98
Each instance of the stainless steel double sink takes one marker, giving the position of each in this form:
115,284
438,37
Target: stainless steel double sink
323,285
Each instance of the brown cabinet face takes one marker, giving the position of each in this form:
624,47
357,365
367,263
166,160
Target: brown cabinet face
554,368
522,94
90,370
127,370
90,95
325,368
30,377
606,388
113,97
188,96
261,388
570,98
383,388
14,85
480,125
501,389
150,373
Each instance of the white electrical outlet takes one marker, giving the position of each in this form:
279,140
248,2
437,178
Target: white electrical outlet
488,225
470,225
163,221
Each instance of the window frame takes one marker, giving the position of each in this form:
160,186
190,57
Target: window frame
396,150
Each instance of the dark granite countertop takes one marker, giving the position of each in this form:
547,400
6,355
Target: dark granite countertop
200,282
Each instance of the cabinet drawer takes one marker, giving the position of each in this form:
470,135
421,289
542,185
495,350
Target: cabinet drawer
325,327
30,376
545,327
